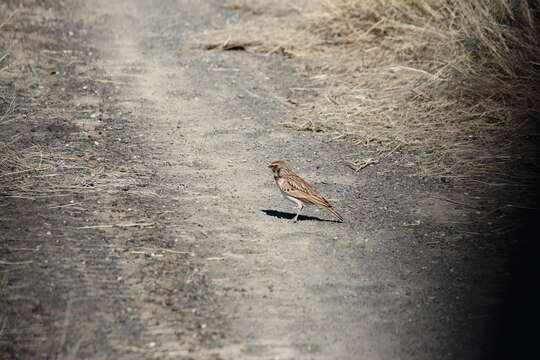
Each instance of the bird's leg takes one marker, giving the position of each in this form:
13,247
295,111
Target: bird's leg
300,206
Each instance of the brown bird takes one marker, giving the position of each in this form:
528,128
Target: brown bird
297,190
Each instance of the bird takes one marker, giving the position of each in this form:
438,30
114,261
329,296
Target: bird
297,190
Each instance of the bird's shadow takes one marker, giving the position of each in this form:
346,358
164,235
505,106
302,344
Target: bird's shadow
290,216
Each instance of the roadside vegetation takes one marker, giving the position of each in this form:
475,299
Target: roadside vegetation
51,110
453,81
35,161
448,88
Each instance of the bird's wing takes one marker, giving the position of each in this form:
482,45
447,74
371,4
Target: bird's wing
296,187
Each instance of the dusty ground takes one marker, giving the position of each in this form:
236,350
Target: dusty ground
175,242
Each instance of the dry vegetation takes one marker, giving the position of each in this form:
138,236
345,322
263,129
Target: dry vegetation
42,142
22,162
450,88
453,81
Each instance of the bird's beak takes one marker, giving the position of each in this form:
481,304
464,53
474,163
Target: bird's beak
270,166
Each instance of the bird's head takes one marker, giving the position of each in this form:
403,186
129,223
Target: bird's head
277,166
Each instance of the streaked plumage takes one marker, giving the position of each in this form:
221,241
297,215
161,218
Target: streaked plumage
297,190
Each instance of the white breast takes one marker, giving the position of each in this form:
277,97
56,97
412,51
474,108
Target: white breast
279,183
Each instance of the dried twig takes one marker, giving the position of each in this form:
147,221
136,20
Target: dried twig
65,205
15,263
165,250
108,226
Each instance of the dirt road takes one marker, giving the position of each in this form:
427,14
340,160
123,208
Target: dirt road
214,270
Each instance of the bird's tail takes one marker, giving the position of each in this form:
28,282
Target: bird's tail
335,213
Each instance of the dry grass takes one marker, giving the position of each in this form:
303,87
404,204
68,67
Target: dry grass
452,84
37,139
246,45
29,173
453,81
